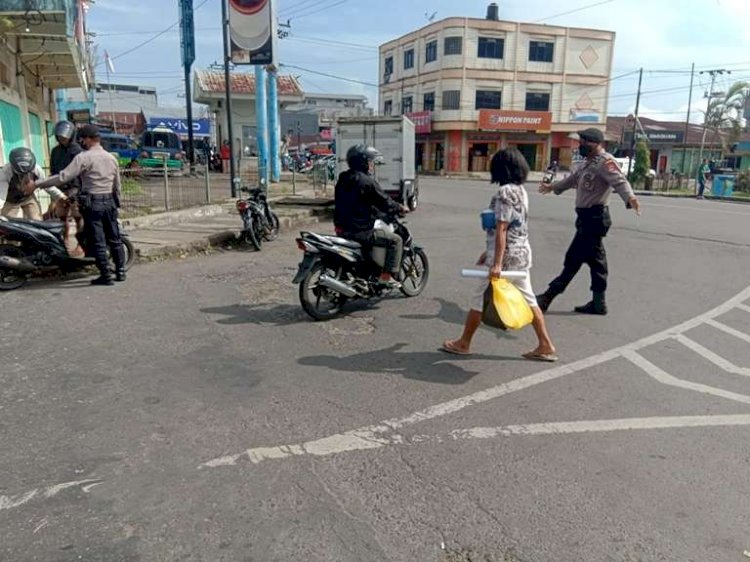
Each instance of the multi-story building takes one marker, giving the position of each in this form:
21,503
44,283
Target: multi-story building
42,48
475,85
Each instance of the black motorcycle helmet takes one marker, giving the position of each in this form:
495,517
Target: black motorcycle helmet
359,156
65,130
22,161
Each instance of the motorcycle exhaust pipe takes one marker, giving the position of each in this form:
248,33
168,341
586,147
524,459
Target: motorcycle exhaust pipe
15,264
338,286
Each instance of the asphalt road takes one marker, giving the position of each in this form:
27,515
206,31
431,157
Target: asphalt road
194,413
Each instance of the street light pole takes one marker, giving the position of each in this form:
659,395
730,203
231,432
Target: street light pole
228,102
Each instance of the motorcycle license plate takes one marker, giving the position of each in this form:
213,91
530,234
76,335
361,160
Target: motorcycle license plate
304,266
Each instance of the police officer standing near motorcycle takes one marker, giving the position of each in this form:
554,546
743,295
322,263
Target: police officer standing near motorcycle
357,193
99,200
594,180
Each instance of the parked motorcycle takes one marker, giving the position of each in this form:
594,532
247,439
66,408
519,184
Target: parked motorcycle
259,222
334,270
31,247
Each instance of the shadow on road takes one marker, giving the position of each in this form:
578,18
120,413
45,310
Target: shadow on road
429,366
451,313
275,315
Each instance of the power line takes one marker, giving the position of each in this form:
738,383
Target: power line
153,38
330,75
582,8
296,6
318,10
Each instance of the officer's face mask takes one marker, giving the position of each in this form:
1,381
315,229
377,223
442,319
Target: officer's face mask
585,150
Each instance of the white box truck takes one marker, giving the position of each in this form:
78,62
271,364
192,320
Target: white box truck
394,138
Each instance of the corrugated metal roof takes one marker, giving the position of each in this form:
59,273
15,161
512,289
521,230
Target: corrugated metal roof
212,81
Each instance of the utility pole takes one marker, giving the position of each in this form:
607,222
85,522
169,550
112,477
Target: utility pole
227,85
714,73
687,119
635,121
187,36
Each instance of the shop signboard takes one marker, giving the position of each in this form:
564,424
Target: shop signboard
503,120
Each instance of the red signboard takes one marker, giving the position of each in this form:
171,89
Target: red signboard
422,122
501,120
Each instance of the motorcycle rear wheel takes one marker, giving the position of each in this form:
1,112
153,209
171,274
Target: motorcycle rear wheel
313,296
415,271
11,280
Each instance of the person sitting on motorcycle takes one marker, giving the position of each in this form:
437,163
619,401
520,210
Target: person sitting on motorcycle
357,196
67,148
20,167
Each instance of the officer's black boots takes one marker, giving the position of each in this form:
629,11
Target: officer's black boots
545,299
596,306
103,280
120,275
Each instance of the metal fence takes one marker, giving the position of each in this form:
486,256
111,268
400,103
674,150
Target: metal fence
150,190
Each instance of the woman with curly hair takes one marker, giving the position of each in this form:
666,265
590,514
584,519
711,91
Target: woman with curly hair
508,249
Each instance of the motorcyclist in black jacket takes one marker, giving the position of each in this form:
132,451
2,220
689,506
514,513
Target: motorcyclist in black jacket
358,197
67,148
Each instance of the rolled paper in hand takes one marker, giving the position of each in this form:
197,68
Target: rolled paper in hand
484,273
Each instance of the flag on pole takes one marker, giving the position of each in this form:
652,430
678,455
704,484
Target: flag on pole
108,61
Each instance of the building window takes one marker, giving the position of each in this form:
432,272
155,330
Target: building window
407,105
387,107
537,102
408,59
388,69
541,51
490,48
428,102
452,99
430,53
488,99
452,46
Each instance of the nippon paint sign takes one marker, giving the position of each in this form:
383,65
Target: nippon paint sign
201,127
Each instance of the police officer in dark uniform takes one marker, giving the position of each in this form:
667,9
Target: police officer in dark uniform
357,194
99,199
594,180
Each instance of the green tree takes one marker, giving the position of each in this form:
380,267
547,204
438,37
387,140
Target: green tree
641,163
724,115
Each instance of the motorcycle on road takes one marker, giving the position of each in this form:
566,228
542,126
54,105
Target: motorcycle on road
259,222
32,247
335,270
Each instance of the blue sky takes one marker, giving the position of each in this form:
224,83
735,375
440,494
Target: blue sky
340,37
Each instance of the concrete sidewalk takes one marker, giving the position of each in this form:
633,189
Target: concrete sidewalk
199,228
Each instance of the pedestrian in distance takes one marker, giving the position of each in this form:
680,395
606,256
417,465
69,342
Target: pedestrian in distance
225,154
704,171
99,199
593,181
508,249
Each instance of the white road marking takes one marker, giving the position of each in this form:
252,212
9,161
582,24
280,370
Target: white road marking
744,307
729,330
709,355
589,426
383,434
665,378
10,502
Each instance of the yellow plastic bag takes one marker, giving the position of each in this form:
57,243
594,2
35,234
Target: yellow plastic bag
504,306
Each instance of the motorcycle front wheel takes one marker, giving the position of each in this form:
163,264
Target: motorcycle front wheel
415,271
251,234
129,251
11,280
319,302
272,231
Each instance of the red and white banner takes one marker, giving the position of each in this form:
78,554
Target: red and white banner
252,31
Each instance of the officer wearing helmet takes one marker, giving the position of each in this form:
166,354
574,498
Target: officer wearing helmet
357,196
20,168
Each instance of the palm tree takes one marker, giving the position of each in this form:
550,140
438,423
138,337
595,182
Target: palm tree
724,115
